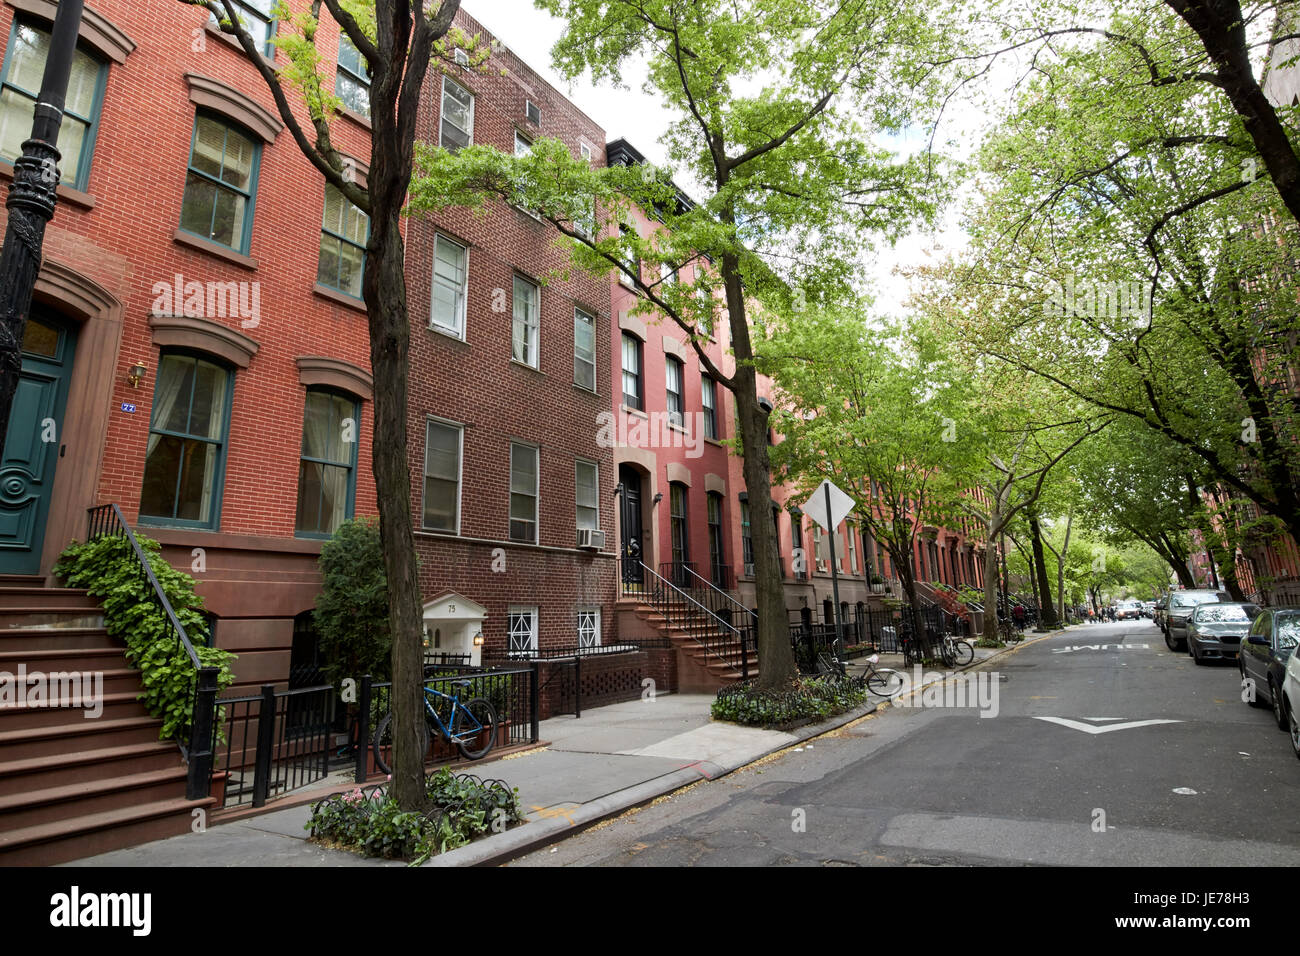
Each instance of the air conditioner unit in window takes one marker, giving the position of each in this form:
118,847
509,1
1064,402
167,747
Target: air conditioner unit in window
591,540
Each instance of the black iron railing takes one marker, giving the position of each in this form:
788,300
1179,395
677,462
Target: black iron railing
196,739
728,639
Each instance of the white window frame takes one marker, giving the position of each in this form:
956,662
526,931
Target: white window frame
460,470
519,611
533,355
462,294
591,321
709,387
585,151
442,111
594,612
632,263
676,416
850,534
537,492
595,466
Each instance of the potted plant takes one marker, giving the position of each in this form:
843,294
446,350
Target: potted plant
877,584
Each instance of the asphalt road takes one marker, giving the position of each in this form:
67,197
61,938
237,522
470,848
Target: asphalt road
1214,784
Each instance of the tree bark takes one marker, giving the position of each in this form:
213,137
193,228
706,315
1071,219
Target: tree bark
1046,610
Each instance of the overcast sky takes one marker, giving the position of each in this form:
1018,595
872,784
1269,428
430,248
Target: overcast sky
637,117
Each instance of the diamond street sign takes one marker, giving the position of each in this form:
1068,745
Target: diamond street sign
840,506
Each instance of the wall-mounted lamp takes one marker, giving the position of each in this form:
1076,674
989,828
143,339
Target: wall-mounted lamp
659,496
478,639
765,404
136,373
743,496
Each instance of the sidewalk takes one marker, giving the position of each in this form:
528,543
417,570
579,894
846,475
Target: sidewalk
612,759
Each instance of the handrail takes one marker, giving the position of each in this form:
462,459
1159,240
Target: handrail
101,526
108,520
722,594
711,616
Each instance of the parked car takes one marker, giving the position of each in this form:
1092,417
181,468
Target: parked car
1215,630
1181,605
1158,612
1264,655
1291,700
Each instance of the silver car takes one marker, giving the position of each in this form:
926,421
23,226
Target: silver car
1215,631
1181,605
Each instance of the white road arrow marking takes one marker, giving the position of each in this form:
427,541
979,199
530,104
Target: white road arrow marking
1090,729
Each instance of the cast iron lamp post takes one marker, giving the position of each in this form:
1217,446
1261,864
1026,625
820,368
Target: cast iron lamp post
31,204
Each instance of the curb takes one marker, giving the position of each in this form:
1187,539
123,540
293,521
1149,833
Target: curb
565,823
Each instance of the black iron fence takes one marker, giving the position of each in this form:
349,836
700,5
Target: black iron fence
883,630
275,742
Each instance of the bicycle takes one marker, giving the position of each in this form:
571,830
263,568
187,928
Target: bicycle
471,726
883,681
957,653
1009,632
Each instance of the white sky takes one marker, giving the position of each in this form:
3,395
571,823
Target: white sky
637,117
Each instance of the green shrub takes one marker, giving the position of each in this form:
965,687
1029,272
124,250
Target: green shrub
815,698
352,611
464,807
107,569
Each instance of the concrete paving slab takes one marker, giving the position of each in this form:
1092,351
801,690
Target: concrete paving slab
719,743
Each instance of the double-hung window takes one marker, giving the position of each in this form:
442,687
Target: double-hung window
255,16
188,433
521,623
717,546
443,444
584,350
523,492
678,521
450,284
587,495
673,385
457,123
709,401
525,306
352,80
24,67
220,183
343,234
327,469
746,540
631,270
633,392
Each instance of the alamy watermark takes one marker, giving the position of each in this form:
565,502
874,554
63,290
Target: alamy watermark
655,430
931,689
209,300
84,689
1090,299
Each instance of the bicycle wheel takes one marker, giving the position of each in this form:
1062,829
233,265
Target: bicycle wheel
885,682
384,744
947,654
964,652
476,728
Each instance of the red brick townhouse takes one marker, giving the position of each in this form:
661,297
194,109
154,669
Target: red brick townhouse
509,377
196,335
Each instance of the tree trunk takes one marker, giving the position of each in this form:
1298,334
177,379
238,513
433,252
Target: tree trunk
776,663
990,584
384,290
1046,610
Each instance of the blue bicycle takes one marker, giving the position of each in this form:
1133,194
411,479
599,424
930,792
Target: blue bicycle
471,726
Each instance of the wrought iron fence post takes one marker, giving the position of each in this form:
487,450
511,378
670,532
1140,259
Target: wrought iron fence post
535,701
198,783
265,743
363,731
577,685
744,654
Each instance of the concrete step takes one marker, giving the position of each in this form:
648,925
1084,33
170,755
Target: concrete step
87,798
64,659
54,770
44,618
110,706
77,736
49,598
46,844
54,638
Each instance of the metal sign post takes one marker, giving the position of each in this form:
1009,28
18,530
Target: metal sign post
828,506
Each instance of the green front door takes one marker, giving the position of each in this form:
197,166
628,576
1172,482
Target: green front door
35,438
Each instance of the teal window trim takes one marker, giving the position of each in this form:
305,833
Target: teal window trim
272,25
337,284
253,180
219,473
350,510
82,179
346,69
